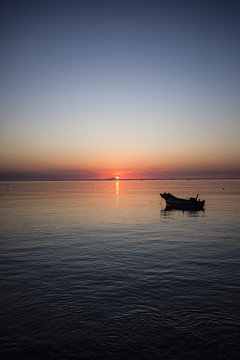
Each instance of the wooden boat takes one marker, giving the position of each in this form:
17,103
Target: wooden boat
185,204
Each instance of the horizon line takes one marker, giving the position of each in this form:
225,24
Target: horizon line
124,179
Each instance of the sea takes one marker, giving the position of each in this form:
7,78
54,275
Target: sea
101,270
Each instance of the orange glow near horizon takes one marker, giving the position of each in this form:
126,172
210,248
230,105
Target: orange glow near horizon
71,163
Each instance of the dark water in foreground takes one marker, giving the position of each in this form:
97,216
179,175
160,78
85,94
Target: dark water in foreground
98,270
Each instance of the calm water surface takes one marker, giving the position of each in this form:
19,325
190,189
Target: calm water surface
99,270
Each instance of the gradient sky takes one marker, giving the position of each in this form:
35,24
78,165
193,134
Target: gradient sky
138,89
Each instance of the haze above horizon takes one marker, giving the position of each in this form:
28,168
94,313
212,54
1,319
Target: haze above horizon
131,89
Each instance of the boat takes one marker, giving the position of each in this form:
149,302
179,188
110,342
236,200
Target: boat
185,204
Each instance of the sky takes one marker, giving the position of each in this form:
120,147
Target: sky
135,89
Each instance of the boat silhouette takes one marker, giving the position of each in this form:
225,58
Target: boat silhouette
185,204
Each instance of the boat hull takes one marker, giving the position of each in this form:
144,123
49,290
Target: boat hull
183,204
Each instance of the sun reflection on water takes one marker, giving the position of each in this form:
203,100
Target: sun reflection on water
117,187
